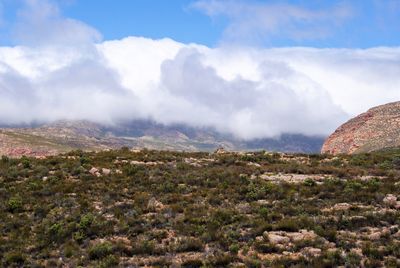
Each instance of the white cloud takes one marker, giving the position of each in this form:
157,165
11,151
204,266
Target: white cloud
248,92
250,21
40,23
82,88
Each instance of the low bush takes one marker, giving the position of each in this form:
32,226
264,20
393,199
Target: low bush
100,251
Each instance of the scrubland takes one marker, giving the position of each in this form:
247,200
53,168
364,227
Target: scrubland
135,208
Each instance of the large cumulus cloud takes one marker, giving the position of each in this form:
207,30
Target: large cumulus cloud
250,93
62,70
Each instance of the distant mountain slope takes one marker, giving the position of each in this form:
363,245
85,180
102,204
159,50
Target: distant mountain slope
63,136
377,129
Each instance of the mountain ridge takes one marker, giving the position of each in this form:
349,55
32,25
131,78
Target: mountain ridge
64,135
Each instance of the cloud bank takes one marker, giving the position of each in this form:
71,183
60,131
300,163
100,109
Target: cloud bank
251,93
248,92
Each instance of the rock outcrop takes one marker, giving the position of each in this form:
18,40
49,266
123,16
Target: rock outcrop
377,129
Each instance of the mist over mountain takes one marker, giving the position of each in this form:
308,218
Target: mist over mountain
64,136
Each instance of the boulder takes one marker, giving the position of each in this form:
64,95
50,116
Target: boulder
390,200
374,236
341,206
311,252
154,205
253,164
93,171
106,171
134,162
276,239
303,235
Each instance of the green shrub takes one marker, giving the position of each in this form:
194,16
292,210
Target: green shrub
144,247
26,163
86,221
15,204
109,261
372,251
234,248
352,260
386,165
332,259
326,232
132,170
309,182
57,232
254,263
79,236
84,160
353,186
100,251
288,225
373,184
264,212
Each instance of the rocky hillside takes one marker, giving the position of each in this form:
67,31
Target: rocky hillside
377,129
144,208
64,136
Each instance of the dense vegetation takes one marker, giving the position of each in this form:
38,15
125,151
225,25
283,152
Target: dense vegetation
161,209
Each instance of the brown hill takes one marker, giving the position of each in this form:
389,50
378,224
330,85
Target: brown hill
377,129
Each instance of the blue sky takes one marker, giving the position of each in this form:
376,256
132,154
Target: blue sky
315,23
148,18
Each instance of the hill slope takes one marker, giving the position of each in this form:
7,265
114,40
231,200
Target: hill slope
377,129
64,136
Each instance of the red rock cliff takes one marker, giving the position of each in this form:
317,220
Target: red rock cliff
376,129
